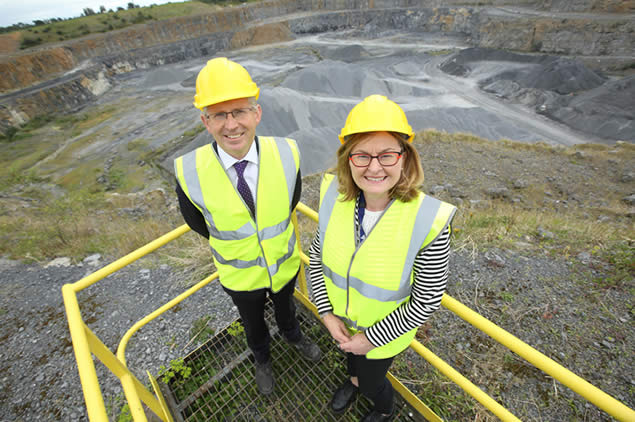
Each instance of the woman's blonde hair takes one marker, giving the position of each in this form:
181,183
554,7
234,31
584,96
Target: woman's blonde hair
406,189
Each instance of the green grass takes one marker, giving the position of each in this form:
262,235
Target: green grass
54,29
25,148
109,21
58,207
75,225
622,259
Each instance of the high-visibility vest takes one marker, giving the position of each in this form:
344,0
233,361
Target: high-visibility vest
366,282
249,254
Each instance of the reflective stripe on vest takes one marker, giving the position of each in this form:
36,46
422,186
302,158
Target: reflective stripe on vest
237,241
260,261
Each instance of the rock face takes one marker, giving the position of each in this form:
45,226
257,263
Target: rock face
64,77
31,68
564,35
606,6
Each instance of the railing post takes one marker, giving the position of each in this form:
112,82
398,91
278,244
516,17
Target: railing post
85,365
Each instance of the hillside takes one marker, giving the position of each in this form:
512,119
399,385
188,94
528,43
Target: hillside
68,75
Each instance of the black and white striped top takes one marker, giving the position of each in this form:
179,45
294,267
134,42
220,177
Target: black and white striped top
430,279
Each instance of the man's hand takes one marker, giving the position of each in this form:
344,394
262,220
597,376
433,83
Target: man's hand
337,328
358,345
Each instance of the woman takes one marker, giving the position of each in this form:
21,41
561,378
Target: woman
379,261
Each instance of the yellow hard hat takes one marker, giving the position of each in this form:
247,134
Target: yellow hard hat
222,80
376,113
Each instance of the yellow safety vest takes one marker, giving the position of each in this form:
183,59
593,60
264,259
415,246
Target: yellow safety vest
248,254
366,282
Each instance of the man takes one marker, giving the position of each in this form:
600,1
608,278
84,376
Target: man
239,192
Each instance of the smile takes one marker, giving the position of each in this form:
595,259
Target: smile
375,179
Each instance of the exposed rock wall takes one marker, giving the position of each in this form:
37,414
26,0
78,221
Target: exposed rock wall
31,68
556,35
604,6
160,33
448,20
66,96
50,75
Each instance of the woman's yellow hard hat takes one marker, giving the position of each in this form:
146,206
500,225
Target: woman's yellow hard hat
222,80
376,113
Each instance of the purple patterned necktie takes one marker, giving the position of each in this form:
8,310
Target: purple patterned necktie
242,186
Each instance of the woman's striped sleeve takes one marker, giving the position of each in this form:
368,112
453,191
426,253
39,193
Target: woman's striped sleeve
318,287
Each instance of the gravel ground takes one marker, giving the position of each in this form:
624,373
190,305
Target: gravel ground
541,294
39,374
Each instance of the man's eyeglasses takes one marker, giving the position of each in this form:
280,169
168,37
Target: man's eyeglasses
386,159
237,114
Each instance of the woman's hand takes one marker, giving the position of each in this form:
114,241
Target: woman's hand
337,328
358,345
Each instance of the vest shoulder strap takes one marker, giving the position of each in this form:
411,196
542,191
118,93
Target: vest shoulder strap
289,154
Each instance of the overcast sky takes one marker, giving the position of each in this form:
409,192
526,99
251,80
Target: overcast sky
26,11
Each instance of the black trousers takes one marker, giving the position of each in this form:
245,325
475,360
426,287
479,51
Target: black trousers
371,376
251,307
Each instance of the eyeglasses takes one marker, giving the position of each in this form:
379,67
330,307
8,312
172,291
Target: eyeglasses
385,159
237,114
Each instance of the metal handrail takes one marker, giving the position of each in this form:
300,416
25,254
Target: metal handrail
86,342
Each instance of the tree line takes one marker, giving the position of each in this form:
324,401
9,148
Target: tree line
86,12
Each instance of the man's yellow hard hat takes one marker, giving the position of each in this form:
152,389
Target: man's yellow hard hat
222,80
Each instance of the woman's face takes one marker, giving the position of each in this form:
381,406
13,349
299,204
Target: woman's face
377,179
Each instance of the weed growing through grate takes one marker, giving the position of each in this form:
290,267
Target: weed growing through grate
177,367
235,329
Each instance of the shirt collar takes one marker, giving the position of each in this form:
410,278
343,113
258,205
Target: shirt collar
228,161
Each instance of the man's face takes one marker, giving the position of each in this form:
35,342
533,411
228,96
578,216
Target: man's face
233,134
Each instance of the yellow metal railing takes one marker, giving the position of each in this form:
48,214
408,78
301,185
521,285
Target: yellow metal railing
86,344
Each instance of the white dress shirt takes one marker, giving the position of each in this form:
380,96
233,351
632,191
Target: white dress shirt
251,170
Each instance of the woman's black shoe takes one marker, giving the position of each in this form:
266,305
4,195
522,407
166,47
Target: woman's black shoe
343,397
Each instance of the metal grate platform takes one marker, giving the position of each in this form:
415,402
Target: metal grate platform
221,386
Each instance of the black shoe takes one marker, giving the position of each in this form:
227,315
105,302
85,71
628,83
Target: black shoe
308,349
343,397
264,378
375,416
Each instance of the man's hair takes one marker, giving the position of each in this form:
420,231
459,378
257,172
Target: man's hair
406,189
252,102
